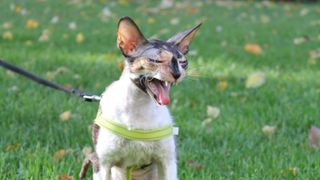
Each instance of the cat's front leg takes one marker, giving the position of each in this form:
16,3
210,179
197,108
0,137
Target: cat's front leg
167,169
104,173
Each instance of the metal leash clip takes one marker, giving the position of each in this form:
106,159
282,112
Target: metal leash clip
91,98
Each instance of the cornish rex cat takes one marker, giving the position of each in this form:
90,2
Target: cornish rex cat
136,104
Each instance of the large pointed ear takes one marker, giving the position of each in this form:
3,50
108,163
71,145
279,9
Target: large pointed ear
129,36
183,39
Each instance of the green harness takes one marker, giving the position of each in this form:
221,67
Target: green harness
156,134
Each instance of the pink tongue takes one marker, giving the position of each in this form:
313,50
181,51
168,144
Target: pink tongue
164,94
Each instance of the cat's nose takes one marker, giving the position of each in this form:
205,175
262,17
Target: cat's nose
176,74
175,68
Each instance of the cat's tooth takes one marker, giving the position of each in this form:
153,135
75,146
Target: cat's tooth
166,83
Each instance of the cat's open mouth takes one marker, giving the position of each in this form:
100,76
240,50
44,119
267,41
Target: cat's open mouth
159,90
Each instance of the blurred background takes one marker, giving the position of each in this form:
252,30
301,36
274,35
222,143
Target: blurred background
248,109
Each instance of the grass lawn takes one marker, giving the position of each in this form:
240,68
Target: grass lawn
74,44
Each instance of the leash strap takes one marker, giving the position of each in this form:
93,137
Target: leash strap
84,96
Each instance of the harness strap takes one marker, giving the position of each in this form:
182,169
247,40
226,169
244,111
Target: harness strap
129,172
13,68
135,134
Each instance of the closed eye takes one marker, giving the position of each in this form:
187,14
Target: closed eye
154,60
184,64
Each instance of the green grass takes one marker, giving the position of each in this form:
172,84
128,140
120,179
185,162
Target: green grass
231,147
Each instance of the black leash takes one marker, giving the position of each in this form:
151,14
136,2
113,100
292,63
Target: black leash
85,96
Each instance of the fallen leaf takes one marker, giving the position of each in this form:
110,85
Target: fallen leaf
166,4
268,130
253,48
213,112
59,154
255,80
28,42
17,8
13,147
13,88
314,137
192,10
54,20
65,177
87,150
10,73
195,164
314,54
123,2
151,20
79,38
68,85
174,21
31,24
44,36
222,85
293,171
7,25
264,19
304,12
76,76
7,35
312,61
72,25
206,122
65,116
219,28
106,11
300,40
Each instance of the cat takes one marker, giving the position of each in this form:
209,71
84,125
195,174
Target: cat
138,101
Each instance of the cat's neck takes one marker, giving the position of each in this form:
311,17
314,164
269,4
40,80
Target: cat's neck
132,93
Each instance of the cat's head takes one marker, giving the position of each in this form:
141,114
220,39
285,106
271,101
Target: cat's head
154,65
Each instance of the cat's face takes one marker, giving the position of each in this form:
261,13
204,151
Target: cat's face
154,65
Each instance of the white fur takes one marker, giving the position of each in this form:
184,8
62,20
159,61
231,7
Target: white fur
125,103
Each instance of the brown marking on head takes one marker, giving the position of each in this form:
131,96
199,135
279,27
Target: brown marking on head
142,65
165,56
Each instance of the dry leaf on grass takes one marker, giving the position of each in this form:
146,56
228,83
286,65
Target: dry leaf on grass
65,177
174,21
7,25
54,20
87,150
44,36
195,164
253,48
213,112
255,80
268,130
80,38
314,137
12,147
222,85
72,25
206,122
293,171
300,40
32,24
7,35
65,116
59,154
